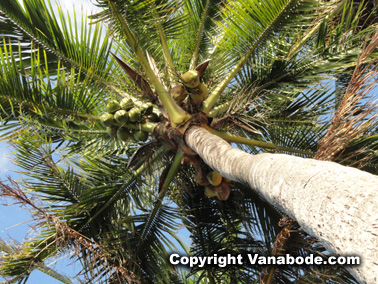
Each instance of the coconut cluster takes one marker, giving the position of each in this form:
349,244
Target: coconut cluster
121,114
192,90
218,186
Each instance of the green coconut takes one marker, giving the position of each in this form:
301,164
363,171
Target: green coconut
191,79
140,136
204,91
121,116
198,95
107,119
123,134
134,114
112,131
126,103
113,106
214,178
178,93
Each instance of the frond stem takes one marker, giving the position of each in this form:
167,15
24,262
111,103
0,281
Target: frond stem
214,96
242,140
148,126
311,32
224,106
52,273
166,52
35,108
171,174
194,59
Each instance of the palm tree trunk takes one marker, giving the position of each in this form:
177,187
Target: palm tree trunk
336,204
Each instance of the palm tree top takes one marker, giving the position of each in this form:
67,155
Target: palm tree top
98,114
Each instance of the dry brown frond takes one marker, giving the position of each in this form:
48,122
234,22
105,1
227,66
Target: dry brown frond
64,238
354,116
279,247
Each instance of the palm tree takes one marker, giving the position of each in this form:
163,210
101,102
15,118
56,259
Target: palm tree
125,138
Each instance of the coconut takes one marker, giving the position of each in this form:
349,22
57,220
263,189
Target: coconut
113,106
178,93
198,95
204,91
140,136
121,116
112,131
209,192
214,178
134,114
223,191
107,119
126,103
191,79
123,134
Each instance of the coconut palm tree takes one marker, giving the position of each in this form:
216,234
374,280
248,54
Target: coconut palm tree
185,114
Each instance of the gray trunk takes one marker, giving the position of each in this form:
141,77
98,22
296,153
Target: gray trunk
336,204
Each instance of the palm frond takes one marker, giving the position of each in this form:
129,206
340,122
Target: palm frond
34,26
63,102
245,27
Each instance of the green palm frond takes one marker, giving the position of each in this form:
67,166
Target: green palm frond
62,102
36,27
200,28
144,18
294,120
246,27
94,184
220,228
6,249
79,198
275,75
139,245
281,64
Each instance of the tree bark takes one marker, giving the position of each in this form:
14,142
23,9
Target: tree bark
336,204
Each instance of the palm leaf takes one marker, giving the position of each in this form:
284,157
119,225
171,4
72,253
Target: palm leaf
36,26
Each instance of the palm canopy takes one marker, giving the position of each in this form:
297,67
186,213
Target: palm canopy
266,70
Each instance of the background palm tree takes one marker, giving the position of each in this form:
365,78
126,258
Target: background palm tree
118,202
